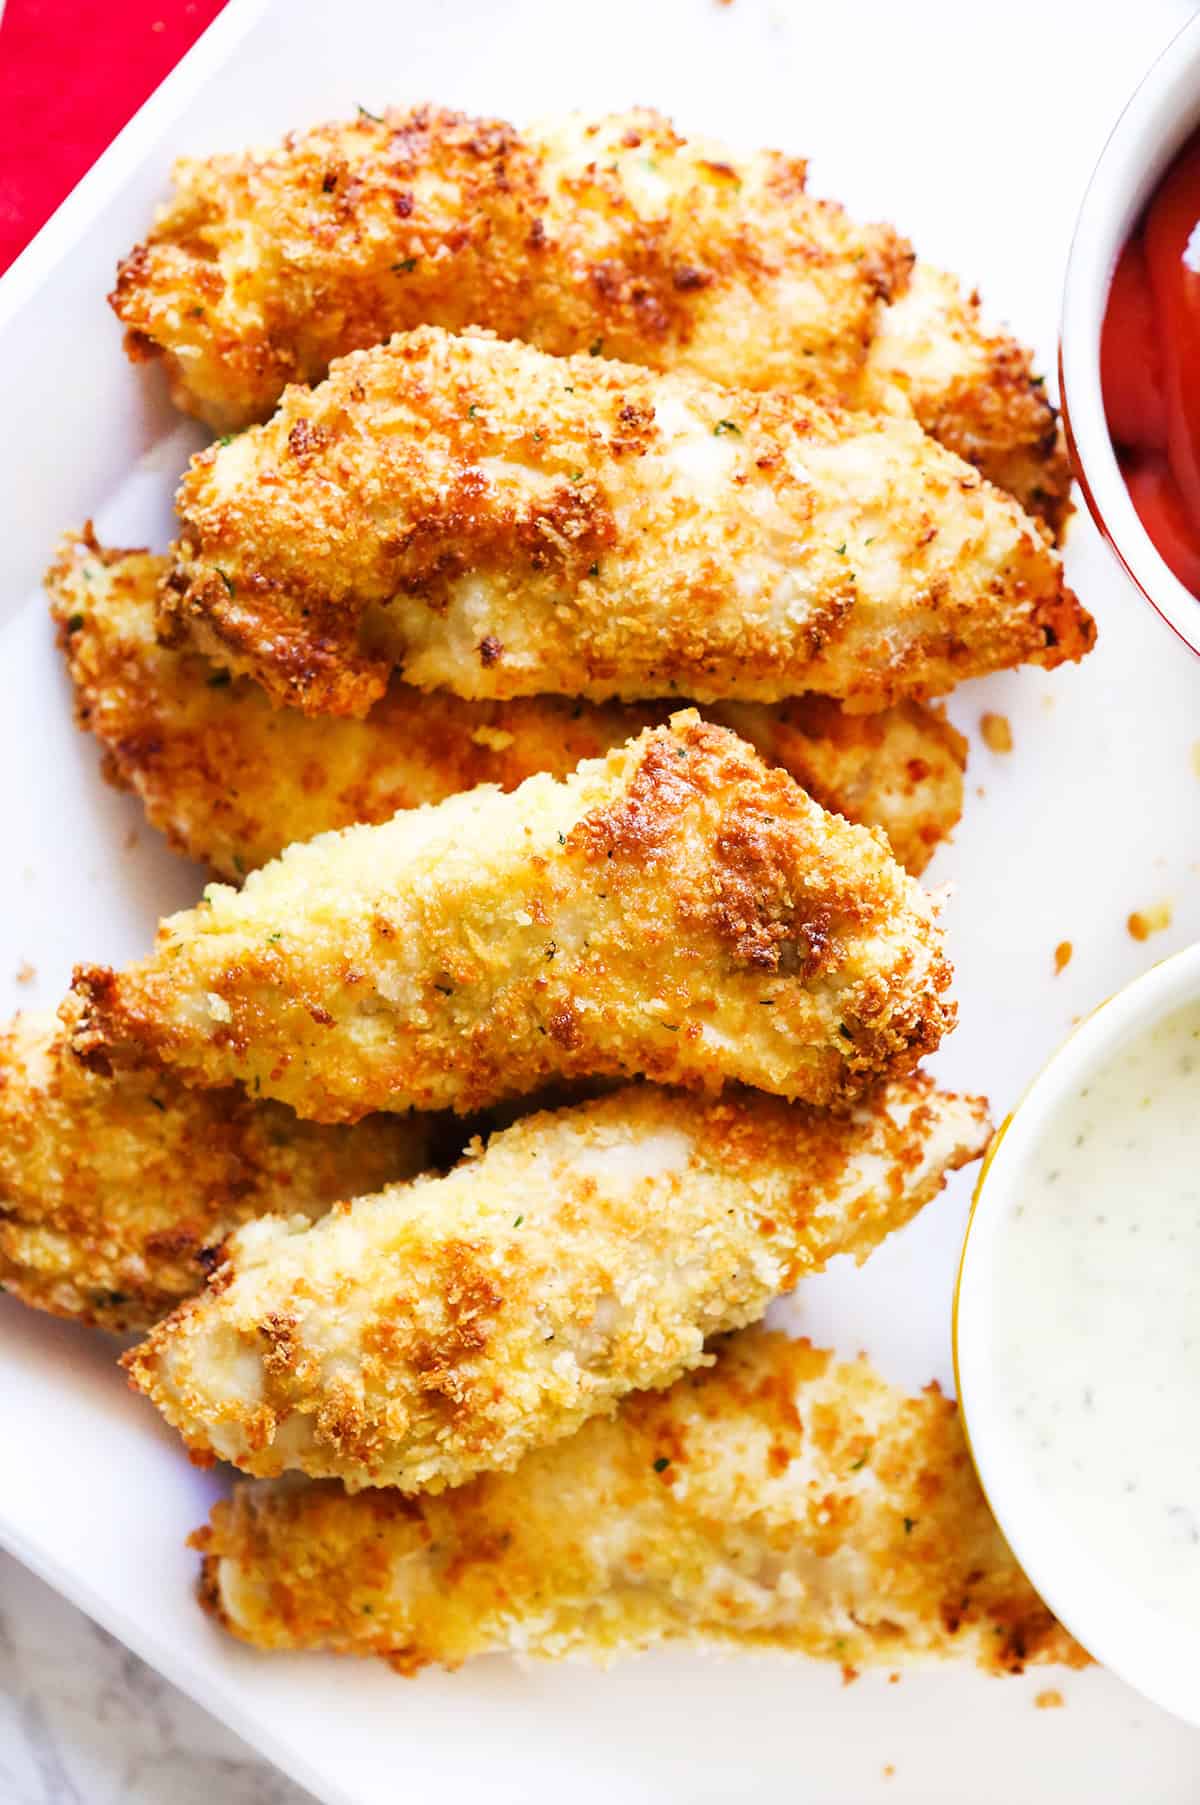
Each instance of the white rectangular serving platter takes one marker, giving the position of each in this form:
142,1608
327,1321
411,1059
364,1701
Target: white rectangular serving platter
974,129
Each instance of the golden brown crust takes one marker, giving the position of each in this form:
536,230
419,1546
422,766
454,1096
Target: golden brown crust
447,1326
900,770
616,234
777,1500
498,523
115,1192
676,911
973,389
231,780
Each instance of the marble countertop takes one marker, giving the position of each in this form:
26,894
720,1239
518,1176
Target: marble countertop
84,1722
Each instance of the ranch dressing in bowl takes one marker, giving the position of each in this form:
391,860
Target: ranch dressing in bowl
1103,1250
1077,1333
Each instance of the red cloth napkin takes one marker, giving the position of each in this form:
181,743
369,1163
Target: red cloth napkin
71,73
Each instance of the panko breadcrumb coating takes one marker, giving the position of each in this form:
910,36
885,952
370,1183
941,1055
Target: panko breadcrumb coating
115,1192
231,780
900,770
779,1500
973,389
677,911
447,1326
490,520
615,236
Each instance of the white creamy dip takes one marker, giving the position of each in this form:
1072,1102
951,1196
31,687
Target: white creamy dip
1097,1314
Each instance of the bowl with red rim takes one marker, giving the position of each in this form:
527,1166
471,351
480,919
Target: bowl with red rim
1129,346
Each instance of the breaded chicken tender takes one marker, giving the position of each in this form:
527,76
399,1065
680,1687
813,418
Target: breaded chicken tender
615,236
493,521
231,780
115,1192
446,1326
676,910
779,1500
973,389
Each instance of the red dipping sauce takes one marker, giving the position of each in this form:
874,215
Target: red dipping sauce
1150,366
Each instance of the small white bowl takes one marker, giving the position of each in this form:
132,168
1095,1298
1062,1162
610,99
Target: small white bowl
1162,115
1158,1657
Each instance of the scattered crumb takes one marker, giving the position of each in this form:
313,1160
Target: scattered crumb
1050,1700
497,739
1196,757
997,734
1062,956
980,791
1144,922
131,839
1047,701
893,1679
849,1674
889,1770
26,972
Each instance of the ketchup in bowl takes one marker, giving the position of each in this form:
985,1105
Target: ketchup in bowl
1150,366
